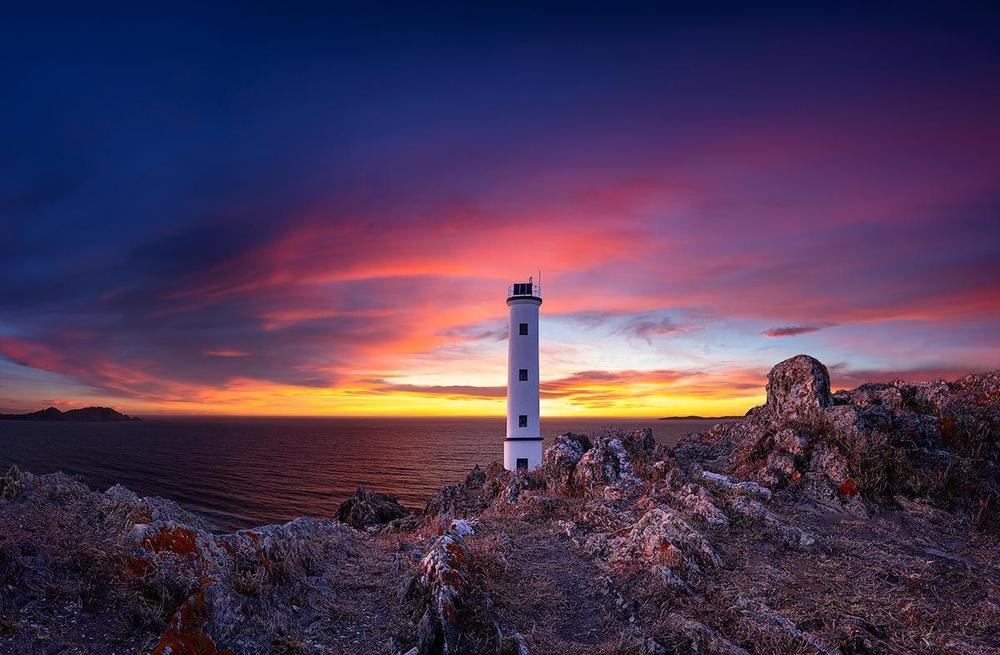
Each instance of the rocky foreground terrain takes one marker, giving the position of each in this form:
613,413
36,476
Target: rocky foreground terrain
861,521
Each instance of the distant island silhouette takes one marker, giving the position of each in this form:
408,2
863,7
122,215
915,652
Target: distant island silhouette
697,418
92,414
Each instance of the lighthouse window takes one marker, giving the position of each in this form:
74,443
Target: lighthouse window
522,463
522,374
522,421
523,329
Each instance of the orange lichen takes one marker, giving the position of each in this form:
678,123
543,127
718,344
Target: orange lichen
185,633
848,488
136,568
179,541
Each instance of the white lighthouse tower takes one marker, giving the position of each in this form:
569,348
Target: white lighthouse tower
522,449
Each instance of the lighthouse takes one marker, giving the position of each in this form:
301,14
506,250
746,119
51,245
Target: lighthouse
522,449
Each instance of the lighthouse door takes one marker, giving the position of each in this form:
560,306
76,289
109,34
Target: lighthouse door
522,463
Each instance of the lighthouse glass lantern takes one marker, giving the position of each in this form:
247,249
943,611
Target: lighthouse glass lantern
522,449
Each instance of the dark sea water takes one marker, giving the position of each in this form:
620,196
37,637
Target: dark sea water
241,472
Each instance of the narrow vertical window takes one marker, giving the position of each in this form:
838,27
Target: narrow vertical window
522,421
522,374
523,329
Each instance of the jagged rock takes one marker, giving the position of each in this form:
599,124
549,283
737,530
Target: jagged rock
698,501
40,488
561,458
369,509
866,445
186,631
665,578
597,516
829,464
798,388
723,482
440,591
476,478
616,456
788,535
480,489
662,536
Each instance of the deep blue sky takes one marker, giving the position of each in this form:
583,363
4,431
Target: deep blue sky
253,208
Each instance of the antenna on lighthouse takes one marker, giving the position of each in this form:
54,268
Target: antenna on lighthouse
522,449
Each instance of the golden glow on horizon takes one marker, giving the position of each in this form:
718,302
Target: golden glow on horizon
256,398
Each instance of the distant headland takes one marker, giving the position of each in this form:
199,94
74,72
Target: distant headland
93,414
698,418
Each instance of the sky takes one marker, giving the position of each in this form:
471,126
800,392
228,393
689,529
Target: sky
316,210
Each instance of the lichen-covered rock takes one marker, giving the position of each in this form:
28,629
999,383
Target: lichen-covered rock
751,489
561,458
369,509
480,489
798,388
54,487
662,536
697,501
598,516
934,439
440,591
185,633
758,514
616,456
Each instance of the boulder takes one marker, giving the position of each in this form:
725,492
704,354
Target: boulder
369,509
471,497
798,388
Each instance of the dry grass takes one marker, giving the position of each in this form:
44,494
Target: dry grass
540,585
880,586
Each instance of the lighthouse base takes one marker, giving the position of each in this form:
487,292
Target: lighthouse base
522,453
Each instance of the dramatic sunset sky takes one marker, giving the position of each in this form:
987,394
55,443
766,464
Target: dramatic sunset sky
247,211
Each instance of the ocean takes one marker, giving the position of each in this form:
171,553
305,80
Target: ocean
242,472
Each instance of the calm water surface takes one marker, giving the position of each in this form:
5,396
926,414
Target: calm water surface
240,472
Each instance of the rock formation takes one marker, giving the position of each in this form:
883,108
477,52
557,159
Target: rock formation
369,509
861,521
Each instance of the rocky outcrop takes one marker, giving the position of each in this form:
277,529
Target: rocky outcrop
561,458
662,537
440,592
367,510
615,457
934,440
798,388
147,563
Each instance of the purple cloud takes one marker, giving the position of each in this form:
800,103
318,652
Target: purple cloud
791,330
